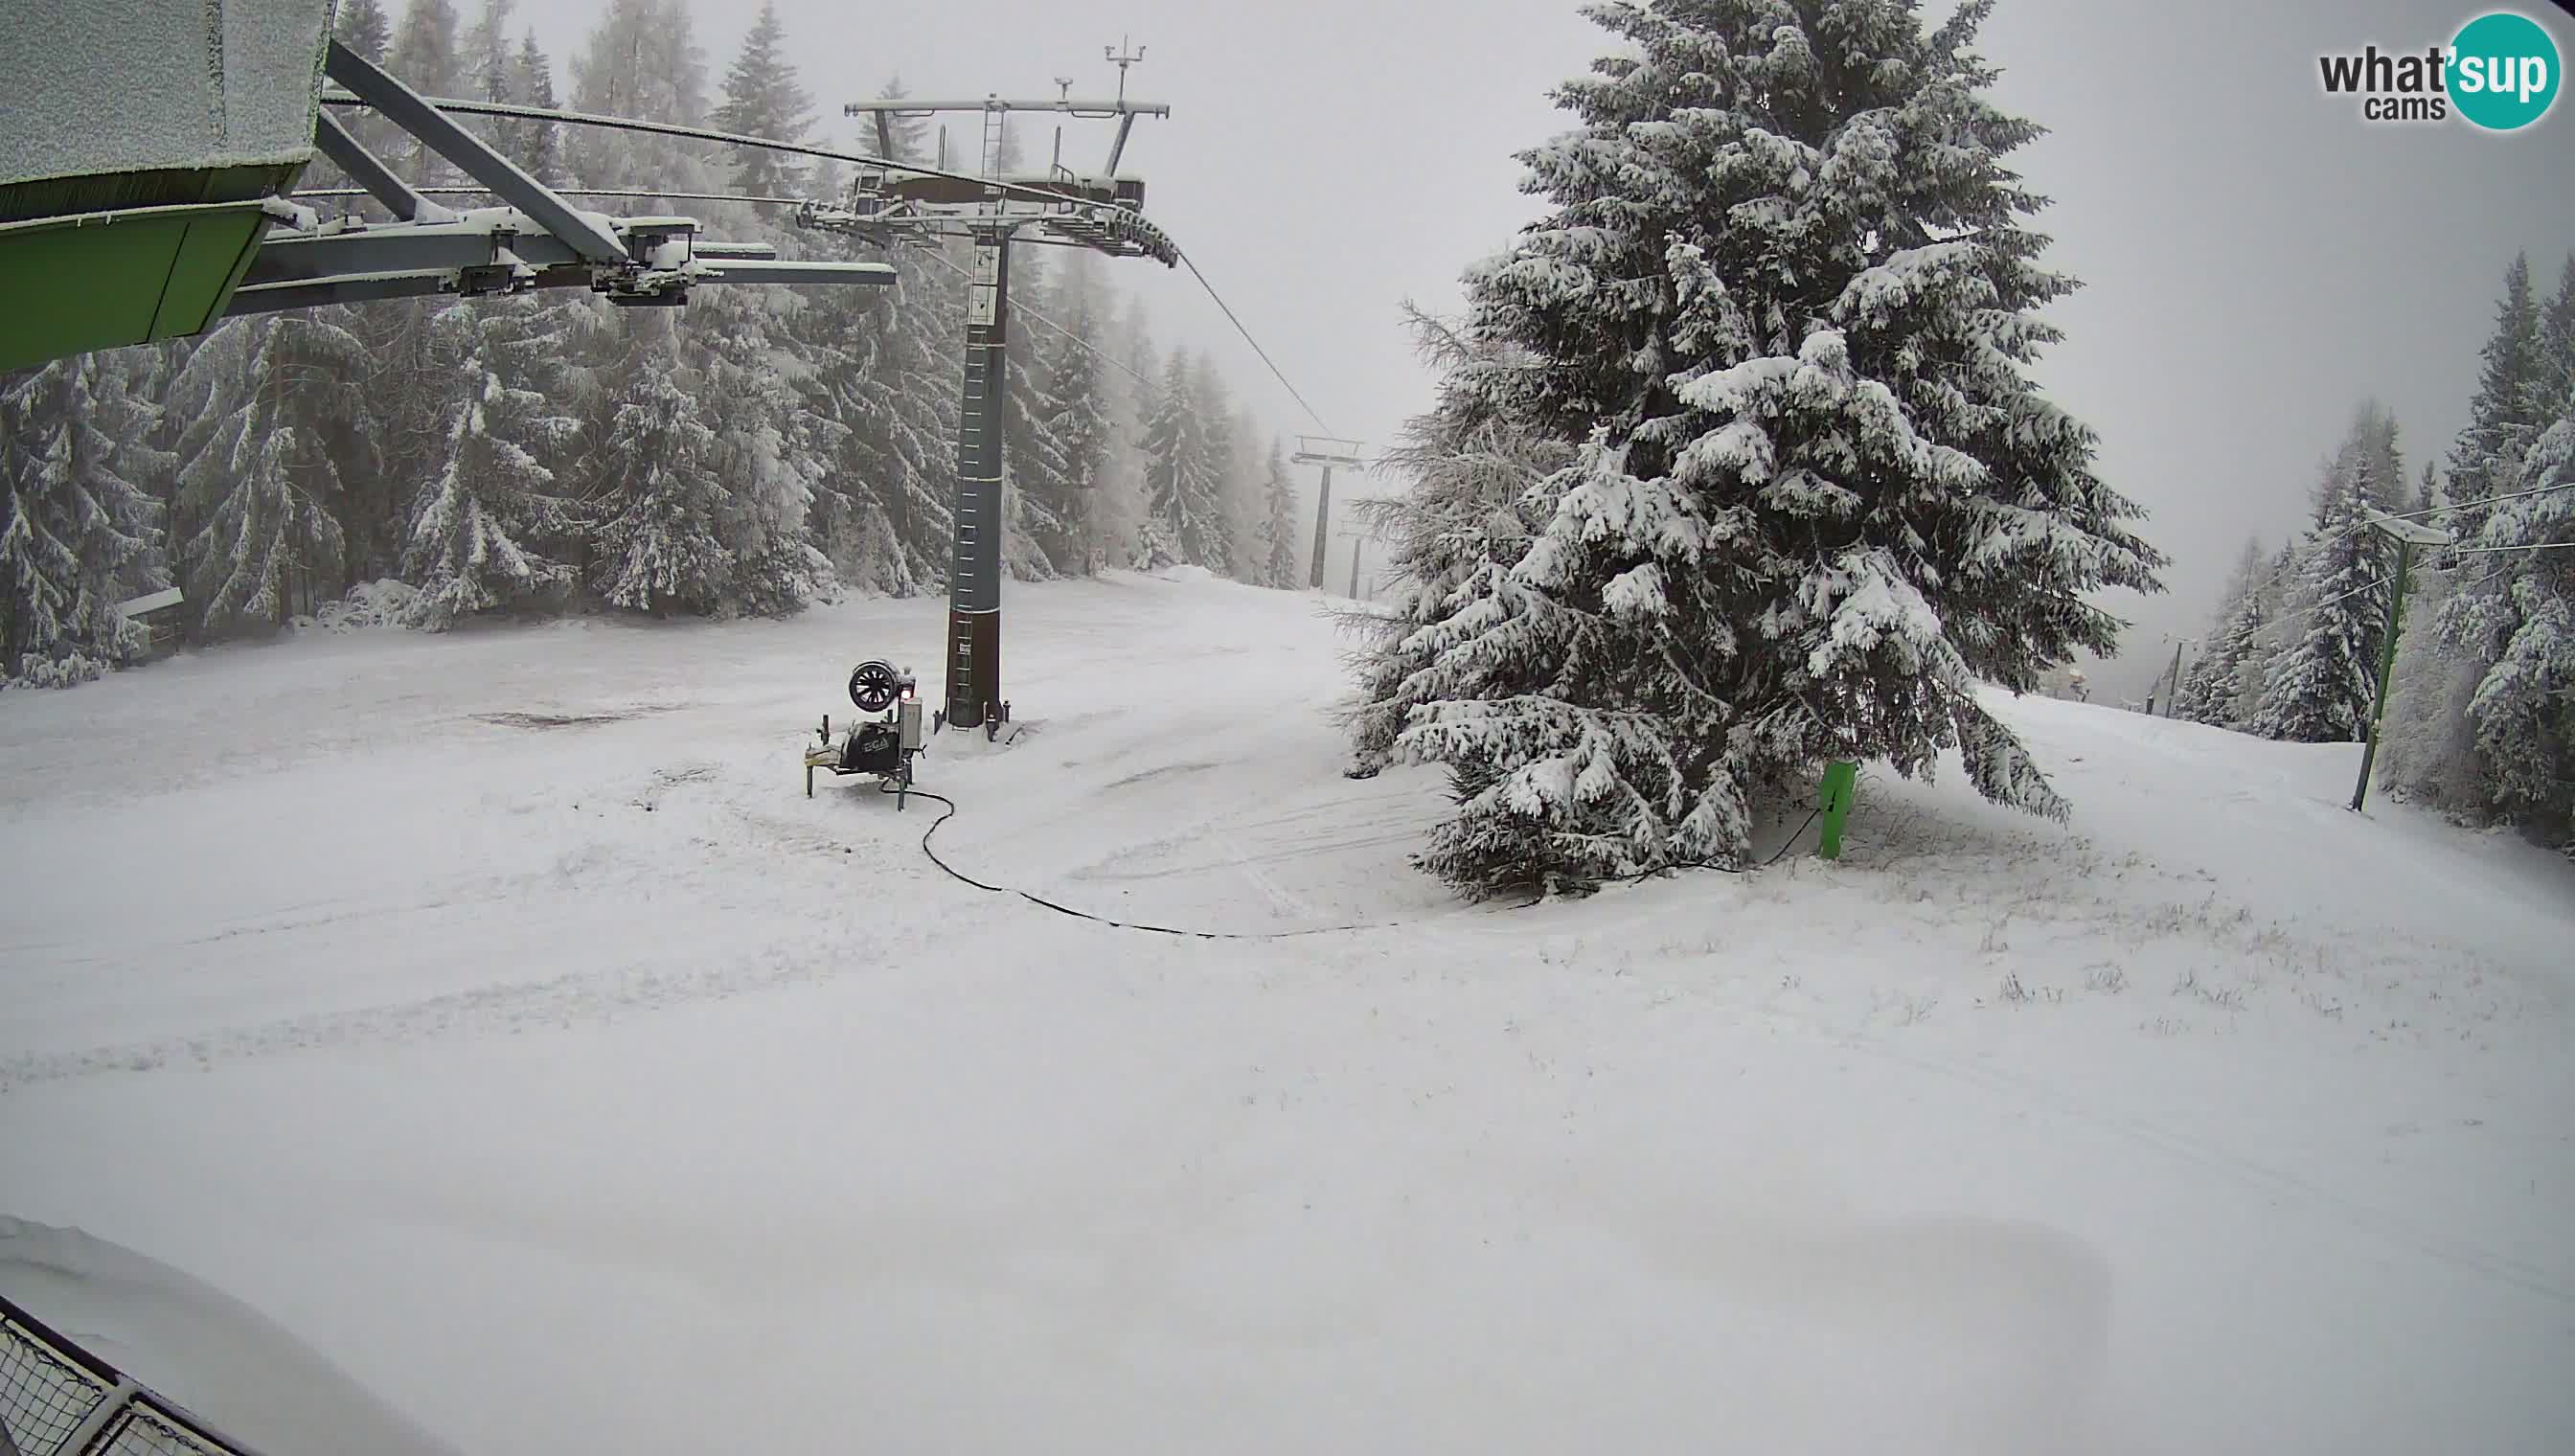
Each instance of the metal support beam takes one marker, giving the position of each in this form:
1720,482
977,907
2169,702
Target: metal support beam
2386,670
1323,528
373,288
101,1416
404,108
303,293
975,561
363,168
759,270
910,107
1118,148
2407,536
439,248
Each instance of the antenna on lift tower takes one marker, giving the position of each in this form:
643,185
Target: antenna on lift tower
1121,62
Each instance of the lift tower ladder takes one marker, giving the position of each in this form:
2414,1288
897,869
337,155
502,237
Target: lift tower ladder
1103,212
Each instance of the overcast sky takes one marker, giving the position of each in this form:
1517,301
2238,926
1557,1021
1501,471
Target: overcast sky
2257,258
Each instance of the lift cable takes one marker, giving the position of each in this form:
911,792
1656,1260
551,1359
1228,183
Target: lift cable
736,139
1248,339
704,134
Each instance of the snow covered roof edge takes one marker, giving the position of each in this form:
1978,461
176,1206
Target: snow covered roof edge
107,85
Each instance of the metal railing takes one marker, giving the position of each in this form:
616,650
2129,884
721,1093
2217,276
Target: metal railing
57,1399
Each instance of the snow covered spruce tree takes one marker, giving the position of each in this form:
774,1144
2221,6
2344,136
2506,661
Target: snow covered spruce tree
2214,690
658,540
2511,402
1183,481
2319,687
1079,423
1474,498
763,98
490,521
1278,521
279,417
75,532
1785,299
2515,610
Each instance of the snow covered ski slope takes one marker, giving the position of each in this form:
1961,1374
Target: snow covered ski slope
494,1013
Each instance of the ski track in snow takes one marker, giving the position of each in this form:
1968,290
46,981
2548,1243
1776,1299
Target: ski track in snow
482,854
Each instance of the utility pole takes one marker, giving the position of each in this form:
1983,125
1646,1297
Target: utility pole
1326,451
2407,535
1103,213
2172,696
1355,567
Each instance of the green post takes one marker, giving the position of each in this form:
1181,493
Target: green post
1833,803
2386,670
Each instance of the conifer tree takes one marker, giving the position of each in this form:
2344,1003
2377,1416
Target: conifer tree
1033,457
1185,520
362,27
490,522
658,539
763,98
1080,424
274,405
2506,414
1785,300
1219,449
426,54
540,143
74,530
2515,614
1278,521
2557,339
2319,689
2213,690
1474,495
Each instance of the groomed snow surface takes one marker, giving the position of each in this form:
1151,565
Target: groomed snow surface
494,1013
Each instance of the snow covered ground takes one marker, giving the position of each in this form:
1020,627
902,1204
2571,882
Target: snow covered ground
495,1014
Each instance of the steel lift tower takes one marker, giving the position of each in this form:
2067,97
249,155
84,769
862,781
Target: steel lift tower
1328,453
1103,212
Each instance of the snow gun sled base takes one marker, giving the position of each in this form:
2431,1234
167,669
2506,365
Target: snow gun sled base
886,745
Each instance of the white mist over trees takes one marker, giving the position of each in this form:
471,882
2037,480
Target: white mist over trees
1783,307
757,450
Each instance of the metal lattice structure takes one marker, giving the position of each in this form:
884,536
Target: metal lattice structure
57,1399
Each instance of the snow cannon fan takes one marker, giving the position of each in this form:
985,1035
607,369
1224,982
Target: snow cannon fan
884,748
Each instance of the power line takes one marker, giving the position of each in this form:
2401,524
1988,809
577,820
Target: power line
2499,550
2489,501
2312,607
2455,506
1248,339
